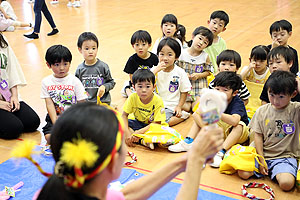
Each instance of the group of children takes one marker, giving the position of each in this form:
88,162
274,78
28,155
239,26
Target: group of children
165,85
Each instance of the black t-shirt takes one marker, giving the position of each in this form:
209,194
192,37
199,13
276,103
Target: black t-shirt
264,95
236,106
295,67
134,62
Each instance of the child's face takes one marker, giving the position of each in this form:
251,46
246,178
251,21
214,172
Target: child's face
144,90
229,92
169,29
281,36
141,48
61,69
260,65
279,63
167,55
200,42
227,66
279,101
89,51
216,26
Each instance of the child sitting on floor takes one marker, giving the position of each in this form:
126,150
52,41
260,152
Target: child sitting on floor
146,106
172,83
233,121
276,127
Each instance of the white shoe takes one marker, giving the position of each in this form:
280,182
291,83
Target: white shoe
150,145
180,147
217,160
76,4
185,114
54,2
70,4
10,28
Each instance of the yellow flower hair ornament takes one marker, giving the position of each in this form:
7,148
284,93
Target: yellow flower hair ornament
25,150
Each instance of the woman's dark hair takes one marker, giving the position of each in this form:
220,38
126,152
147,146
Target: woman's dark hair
85,36
142,75
3,43
228,79
87,121
172,43
204,32
259,52
58,53
230,55
282,82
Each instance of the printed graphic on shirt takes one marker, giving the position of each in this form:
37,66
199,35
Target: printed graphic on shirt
63,96
92,81
143,67
174,84
145,113
283,129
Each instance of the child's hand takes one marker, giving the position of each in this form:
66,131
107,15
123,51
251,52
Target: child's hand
178,112
161,66
129,142
188,75
5,106
194,76
101,91
275,43
252,65
263,169
14,104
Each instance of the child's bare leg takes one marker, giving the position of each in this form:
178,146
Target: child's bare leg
21,24
233,137
244,174
195,102
193,131
187,106
286,181
175,120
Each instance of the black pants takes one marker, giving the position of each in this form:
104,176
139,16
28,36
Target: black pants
12,124
40,6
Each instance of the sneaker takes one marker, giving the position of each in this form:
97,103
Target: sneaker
217,160
54,2
10,28
76,4
70,4
53,32
32,36
150,145
180,147
185,114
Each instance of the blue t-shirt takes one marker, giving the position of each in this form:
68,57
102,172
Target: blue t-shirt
236,106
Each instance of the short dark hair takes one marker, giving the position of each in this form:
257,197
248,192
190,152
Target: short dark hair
259,52
85,36
230,55
228,79
141,35
172,43
169,18
281,25
283,51
282,82
222,15
58,53
142,75
204,32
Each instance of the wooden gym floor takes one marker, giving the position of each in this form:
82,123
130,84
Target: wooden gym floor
114,22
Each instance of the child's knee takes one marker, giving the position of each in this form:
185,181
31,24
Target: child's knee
244,174
286,181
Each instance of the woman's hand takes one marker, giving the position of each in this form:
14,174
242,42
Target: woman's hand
14,103
4,105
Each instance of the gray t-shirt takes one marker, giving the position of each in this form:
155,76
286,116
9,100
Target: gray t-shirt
92,77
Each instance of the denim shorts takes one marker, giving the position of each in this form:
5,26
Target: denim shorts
136,124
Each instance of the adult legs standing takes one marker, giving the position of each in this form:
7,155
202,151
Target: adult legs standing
39,7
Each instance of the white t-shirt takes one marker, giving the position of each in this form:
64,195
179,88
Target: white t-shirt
63,91
169,85
185,56
154,48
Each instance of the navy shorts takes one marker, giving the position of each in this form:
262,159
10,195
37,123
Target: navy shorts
136,124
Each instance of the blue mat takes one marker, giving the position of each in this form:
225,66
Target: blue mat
14,171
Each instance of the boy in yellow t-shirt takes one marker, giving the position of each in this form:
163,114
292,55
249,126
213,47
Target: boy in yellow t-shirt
146,106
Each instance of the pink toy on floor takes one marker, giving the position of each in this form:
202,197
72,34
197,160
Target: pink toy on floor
4,195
